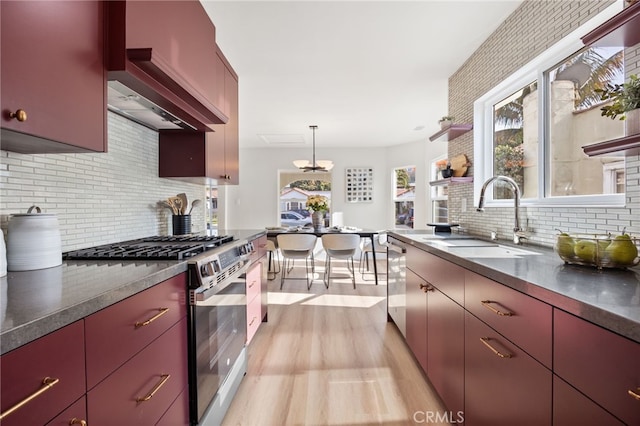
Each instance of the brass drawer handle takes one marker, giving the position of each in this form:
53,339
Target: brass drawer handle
254,320
20,115
485,303
153,318
426,287
155,389
635,394
252,283
485,340
47,383
75,421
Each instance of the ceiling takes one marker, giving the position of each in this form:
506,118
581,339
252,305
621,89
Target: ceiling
368,74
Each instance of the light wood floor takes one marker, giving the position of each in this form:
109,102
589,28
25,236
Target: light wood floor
329,357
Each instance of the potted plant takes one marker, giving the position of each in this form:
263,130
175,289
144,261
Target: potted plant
625,102
445,121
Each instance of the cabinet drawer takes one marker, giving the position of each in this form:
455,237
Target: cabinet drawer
259,248
59,355
113,336
254,276
570,408
116,400
525,321
446,276
601,364
512,389
77,411
254,319
178,413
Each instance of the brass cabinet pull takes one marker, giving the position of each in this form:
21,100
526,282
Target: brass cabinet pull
485,303
485,340
254,320
20,115
153,318
47,383
252,283
156,388
75,421
635,394
426,287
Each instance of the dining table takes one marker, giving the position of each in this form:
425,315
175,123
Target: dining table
272,233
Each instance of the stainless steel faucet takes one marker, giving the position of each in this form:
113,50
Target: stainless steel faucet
518,234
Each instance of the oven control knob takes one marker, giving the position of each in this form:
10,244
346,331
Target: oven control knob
207,269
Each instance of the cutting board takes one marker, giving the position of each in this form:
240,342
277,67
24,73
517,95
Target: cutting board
460,164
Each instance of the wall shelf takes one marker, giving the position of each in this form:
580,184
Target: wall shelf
451,181
451,132
628,145
621,30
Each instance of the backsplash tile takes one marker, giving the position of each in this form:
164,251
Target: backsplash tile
99,198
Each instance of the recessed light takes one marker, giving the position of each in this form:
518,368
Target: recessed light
419,128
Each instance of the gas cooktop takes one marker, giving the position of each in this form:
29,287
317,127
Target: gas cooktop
176,247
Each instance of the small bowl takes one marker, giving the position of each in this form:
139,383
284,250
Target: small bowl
595,250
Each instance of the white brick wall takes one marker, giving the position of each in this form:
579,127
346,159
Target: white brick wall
99,198
532,28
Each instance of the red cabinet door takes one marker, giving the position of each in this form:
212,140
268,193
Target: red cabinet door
160,367
58,356
74,415
445,349
571,408
178,413
53,69
512,389
416,312
601,364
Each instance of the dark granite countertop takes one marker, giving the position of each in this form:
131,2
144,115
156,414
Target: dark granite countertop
35,303
608,297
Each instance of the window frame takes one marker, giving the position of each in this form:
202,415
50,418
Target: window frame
534,70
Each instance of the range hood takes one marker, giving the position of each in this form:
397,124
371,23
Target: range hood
129,104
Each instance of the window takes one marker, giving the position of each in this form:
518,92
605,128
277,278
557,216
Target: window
439,196
533,125
404,188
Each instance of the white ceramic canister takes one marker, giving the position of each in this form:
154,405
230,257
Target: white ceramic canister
33,241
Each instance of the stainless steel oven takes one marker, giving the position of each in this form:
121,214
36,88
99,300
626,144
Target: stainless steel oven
217,331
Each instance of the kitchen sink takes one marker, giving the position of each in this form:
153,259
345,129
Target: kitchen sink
490,251
463,242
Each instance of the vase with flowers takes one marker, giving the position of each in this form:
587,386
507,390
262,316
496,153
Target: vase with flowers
318,205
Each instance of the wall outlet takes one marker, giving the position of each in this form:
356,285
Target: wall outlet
463,206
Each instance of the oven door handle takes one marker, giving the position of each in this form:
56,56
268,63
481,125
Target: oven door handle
200,297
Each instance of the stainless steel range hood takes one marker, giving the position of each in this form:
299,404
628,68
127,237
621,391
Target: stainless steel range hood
124,101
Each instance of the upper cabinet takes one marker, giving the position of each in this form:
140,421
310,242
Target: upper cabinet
53,76
621,30
206,157
165,51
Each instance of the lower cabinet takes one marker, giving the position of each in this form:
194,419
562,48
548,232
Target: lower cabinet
503,385
416,314
254,300
49,375
571,408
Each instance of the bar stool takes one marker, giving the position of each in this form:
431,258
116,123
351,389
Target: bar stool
340,246
296,246
272,260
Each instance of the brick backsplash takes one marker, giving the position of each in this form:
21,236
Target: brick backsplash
532,28
99,198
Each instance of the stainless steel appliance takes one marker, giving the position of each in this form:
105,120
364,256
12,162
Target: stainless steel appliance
217,310
397,283
217,330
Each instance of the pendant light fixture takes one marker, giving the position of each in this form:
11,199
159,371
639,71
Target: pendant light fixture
314,166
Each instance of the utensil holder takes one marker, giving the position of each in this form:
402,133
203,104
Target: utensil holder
181,224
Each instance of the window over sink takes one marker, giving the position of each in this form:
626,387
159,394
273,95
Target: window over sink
532,127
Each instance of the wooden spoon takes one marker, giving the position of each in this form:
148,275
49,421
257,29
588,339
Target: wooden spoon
183,202
193,204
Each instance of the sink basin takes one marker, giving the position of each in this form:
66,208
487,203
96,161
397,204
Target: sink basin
463,242
495,251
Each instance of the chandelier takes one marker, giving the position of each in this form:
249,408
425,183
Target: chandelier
314,166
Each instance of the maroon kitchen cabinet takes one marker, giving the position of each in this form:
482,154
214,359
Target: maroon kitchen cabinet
503,384
571,408
178,413
53,364
259,255
166,51
254,300
74,415
203,157
599,363
446,276
116,333
53,72
445,348
141,390
416,311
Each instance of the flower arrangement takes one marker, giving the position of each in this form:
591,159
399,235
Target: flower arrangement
318,203
442,164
